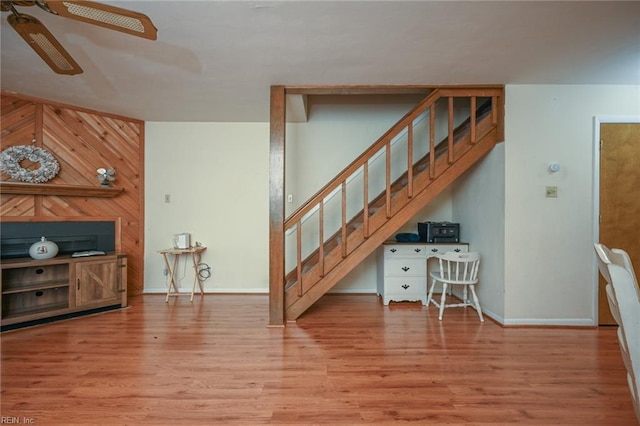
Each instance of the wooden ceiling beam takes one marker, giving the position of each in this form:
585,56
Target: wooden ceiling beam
376,89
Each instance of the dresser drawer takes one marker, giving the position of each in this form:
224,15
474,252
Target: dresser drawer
404,250
405,289
405,267
437,249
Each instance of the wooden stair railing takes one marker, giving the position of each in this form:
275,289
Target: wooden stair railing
320,265
317,257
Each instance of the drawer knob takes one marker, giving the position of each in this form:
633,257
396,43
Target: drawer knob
417,250
393,250
435,250
405,268
405,286
457,250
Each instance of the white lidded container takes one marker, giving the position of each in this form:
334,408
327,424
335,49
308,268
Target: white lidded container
43,249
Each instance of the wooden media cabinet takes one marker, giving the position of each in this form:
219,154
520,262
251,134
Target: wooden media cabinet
38,291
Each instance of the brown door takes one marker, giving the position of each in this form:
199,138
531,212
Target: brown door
619,198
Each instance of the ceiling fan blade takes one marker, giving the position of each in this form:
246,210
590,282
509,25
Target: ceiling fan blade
45,45
112,17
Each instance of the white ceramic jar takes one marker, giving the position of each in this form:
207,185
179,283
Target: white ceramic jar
43,249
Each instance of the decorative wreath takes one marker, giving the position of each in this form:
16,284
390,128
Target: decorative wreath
11,158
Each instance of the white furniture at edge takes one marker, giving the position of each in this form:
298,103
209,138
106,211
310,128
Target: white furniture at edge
456,269
623,295
402,269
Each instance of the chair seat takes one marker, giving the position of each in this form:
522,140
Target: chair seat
456,269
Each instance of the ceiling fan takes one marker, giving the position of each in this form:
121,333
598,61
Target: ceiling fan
50,50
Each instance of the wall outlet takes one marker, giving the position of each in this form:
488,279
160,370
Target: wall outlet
552,191
165,272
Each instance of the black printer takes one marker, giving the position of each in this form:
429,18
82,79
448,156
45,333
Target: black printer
439,232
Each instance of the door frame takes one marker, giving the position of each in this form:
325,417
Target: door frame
597,121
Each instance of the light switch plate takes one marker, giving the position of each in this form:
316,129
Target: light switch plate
552,191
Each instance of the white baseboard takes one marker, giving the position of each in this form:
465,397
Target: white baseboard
551,322
159,290
353,291
163,290
540,322
558,322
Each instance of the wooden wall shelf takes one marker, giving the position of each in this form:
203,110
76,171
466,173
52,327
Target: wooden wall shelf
21,188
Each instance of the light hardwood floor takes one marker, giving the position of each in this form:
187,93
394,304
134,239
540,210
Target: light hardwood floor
348,360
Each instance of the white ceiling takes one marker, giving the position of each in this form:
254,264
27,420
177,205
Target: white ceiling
215,61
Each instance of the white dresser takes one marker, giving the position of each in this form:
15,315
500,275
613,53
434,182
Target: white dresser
402,269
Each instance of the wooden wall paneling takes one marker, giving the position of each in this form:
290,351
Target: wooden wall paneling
18,121
74,146
68,150
18,127
39,140
82,141
17,205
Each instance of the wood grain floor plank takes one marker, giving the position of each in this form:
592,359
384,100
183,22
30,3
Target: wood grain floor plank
348,360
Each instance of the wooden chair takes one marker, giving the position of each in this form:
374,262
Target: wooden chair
623,295
456,269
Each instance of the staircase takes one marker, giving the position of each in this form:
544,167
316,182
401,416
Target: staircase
348,219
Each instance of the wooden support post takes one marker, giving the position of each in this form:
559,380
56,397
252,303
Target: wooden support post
276,206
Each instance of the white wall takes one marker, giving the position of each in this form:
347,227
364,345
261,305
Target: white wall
549,258
336,133
217,175
478,205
